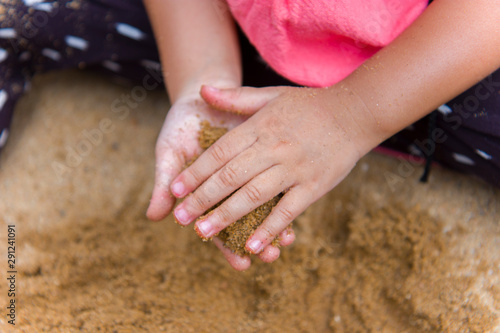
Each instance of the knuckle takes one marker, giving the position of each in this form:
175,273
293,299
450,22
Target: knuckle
268,231
219,152
274,125
252,193
228,176
199,202
194,175
285,214
225,215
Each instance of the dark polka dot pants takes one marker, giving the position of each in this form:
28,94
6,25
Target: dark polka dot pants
38,36
463,134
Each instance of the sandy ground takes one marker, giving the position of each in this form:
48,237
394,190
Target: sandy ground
380,253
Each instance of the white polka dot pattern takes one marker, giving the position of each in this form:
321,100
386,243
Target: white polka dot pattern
445,109
483,154
463,159
111,65
3,99
44,7
52,54
3,55
30,3
154,65
76,42
130,31
3,137
8,33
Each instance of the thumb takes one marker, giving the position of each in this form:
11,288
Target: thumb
242,100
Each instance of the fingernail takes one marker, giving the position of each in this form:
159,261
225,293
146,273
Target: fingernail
255,246
178,189
181,215
205,229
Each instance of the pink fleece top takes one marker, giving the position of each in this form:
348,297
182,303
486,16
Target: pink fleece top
319,42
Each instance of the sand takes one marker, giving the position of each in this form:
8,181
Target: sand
209,134
235,236
380,253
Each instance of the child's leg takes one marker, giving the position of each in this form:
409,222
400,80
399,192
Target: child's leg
113,35
471,123
83,33
465,136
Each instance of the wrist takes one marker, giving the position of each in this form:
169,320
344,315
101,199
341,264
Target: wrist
360,124
215,76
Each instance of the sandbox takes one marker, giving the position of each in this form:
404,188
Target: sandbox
380,253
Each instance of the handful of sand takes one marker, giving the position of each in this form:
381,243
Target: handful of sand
236,234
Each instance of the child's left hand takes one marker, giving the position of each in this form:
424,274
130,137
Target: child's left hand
299,141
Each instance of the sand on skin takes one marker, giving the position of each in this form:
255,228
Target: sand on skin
378,253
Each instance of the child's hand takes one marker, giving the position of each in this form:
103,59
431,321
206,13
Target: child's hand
299,141
269,254
178,144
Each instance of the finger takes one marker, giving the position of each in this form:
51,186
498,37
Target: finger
258,191
270,254
288,208
216,156
242,100
221,184
237,262
286,237
168,166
